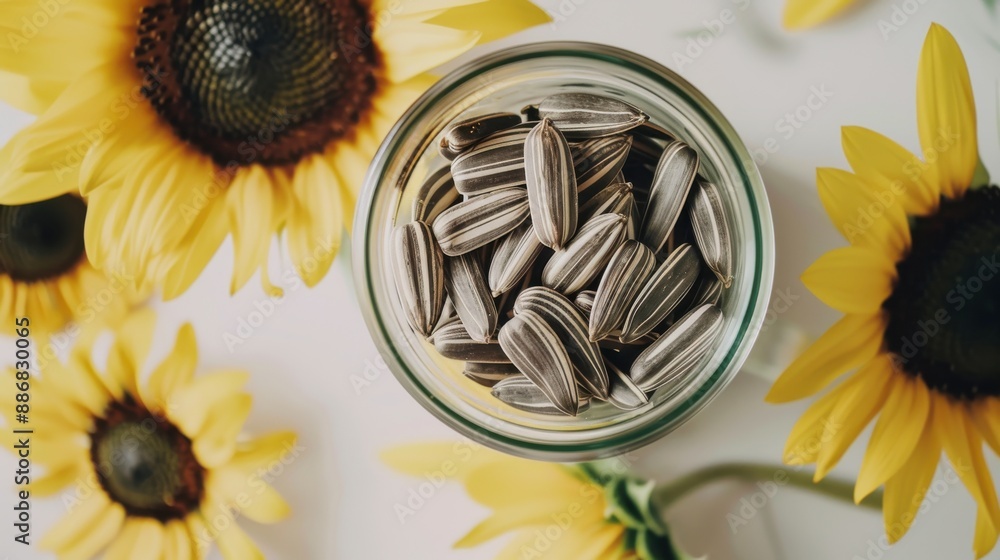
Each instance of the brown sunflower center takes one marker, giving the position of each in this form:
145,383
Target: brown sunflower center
945,310
257,81
145,463
41,240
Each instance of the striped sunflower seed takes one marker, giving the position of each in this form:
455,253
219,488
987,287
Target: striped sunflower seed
570,325
513,258
625,275
471,224
453,341
495,163
585,115
613,199
520,393
534,347
662,292
448,314
435,195
474,304
671,183
711,230
467,132
446,151
648,142
625,395
597,162
487,374
577,264
551,184
679,351
585,301
613,342
418,271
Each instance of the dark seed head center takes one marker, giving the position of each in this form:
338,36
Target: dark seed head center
42,240
945,310
145,463
257,81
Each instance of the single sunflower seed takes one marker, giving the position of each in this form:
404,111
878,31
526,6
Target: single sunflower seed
624,394
467,132
613,199
649,140
662,292
711,230
671,183
453,341
585,115
577,264
534,347
624,277
679,351
487,374
520,393
473,301
495,163
585,301
551,184
435,195
418,271
597,162
570,325
513,258
471,224
614,342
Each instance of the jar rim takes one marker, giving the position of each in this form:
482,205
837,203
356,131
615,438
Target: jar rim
760,218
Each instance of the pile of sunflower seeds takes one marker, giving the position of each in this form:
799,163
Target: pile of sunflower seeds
532,259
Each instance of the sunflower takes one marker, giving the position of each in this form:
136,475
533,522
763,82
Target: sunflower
44,273
590,511
919,288
803,14
184,121
155,471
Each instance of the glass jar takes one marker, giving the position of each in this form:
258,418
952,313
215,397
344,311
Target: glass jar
507,81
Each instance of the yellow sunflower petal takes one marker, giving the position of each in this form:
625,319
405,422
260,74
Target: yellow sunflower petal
314,232
891,166
177,543
897,434
494,19
586,542
410,47
141,539
234,544
520,546
88,527
30,96
201,537
190,406
854,411
129,351
175,371
803,14
904,492
251,202
351,164
866,214
54,481
229,488
848,344
187,261
451,459
964,448
216,442
986,414
509,519
946,112
506,484
263,452
851,279
83,385
985,538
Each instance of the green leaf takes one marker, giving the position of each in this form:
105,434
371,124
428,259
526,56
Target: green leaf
620,505
650,546
641,493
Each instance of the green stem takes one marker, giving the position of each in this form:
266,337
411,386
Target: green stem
667,495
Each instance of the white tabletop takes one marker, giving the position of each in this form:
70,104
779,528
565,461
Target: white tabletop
303,356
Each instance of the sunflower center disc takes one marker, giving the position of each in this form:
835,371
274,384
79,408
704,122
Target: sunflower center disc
41,240
145,463
257,81
945,311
